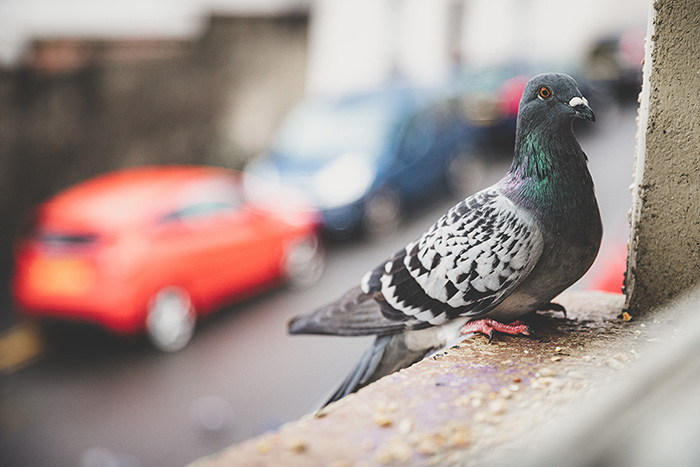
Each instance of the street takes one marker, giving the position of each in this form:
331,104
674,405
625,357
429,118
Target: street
95,400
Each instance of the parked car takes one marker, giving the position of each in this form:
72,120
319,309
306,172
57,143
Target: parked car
361,159
611,268
490,97
613,63
155,248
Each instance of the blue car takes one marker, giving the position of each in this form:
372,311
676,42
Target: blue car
361,159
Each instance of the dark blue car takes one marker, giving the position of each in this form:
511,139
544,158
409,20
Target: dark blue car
360,159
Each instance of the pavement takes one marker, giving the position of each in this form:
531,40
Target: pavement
19,346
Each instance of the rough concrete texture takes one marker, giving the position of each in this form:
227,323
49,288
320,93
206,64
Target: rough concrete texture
648,415
665,234
473,404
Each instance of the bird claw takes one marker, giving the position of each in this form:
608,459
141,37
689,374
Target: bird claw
489,328
553,307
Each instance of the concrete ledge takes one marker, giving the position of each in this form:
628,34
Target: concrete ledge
454,407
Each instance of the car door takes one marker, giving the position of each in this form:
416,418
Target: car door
217,249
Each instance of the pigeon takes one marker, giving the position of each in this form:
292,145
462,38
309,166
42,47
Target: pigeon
500,254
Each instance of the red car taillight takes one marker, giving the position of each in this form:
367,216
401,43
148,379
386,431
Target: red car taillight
67,276
58,263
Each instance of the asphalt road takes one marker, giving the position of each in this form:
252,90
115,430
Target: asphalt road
93,400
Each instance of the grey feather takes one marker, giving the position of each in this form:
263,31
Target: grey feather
354,314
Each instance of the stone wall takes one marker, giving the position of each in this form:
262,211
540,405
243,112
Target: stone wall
665,234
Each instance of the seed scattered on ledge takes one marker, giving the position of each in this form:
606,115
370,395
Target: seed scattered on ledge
615,364
380,419
497,407
396,451
296,445
505,393
263,446
430,444
462,401
405,426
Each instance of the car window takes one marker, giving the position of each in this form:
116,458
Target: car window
419,136
321,131
200,210
205,200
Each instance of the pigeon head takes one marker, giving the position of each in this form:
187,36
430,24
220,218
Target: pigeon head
553,99
547,154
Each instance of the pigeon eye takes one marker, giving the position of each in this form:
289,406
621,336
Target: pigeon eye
544,92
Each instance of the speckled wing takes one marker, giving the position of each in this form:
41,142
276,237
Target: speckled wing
469,261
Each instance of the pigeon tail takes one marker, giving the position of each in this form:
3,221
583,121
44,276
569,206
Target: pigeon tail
386,355
354,314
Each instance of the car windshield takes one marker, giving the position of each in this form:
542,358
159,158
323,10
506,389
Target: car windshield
318,131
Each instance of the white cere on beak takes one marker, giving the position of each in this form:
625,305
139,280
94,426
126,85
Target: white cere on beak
578,101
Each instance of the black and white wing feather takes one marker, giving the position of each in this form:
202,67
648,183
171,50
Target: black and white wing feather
469,261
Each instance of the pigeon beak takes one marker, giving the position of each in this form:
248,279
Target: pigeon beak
580,105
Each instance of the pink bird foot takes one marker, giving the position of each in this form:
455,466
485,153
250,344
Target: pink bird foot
489,327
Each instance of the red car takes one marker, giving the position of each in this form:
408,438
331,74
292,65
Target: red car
154,248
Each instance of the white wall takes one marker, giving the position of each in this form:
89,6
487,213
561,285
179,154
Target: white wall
542,30
357,44
349,44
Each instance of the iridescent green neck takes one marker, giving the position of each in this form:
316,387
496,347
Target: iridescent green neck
531,157
547,165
